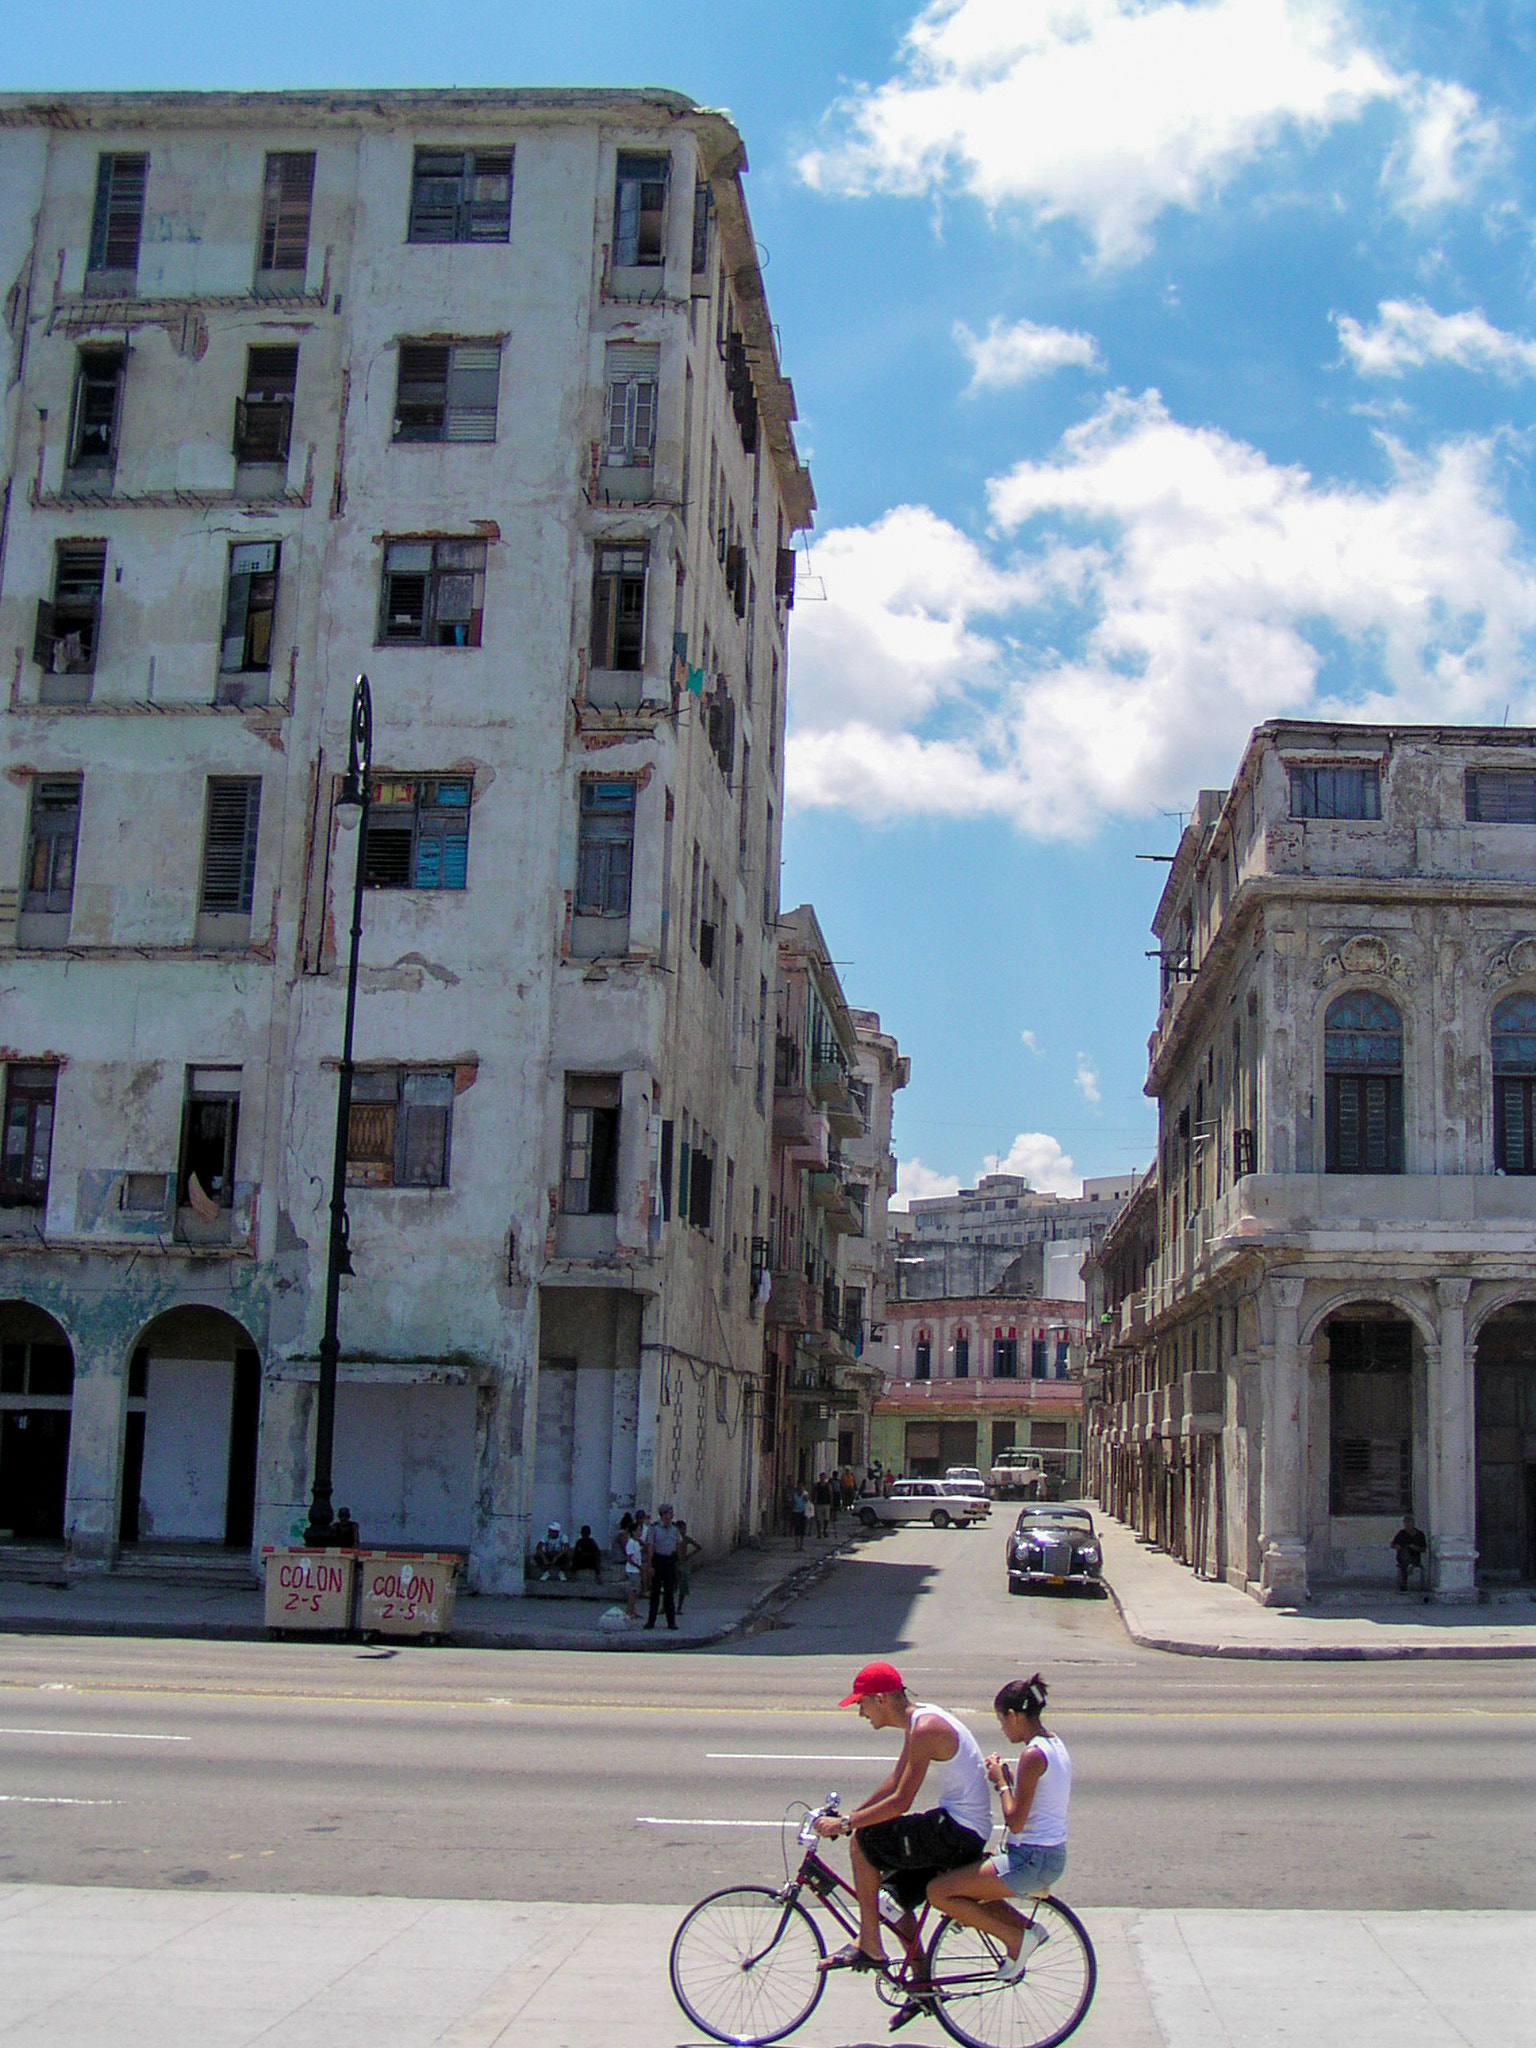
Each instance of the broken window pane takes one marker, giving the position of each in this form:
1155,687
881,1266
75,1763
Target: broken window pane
50,882
98,404
264,416
461,195
590,1178
250,602
283,245
67,627
399,1127
205,1182
618,608
434,592
606,848
418,832
29,1102
640,211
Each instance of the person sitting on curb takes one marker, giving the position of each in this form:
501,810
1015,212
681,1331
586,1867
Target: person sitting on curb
1409,1546
552,1554
585,1555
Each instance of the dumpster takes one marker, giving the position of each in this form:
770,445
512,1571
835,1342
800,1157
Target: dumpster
309,1589
406,1593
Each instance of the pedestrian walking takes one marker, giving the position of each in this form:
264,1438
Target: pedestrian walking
799,1514
665,1543
823,1500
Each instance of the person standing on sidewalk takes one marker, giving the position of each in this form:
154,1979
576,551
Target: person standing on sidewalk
687,1547
822,1496
799,1510
666,1541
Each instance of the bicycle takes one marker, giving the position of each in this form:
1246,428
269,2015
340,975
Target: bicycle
744,1962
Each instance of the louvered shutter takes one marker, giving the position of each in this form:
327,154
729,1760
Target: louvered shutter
229,848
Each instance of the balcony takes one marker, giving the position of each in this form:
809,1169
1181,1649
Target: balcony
793,1303
1132,1317
827,1192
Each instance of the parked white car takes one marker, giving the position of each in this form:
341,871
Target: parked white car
923,1500
967,1479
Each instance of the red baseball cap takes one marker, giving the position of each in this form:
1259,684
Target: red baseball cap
874,1678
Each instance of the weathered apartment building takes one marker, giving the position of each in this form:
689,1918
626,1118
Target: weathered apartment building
477,392
1319,1311
1003,1233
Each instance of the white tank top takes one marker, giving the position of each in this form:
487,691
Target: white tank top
960,1785
1045,1825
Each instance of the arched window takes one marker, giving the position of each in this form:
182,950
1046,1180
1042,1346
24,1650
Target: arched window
923,1365
1514,1084
1363,1083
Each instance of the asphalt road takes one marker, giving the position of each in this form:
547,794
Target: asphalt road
590,1777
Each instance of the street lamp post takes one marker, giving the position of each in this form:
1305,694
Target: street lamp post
354,795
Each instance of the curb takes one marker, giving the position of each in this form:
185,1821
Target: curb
1315,1653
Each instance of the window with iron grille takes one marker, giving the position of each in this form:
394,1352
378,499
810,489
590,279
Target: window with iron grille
229,844
1319,791
618,607
54,835
118,220
282,249
264,416
434,592
606,846
1363,1085
447,390
1514,1084
418,832
93,438
630,374
1370,1417
461,195
68,624
589,1180
250,604
400,1127
1501,796
640,211
29,1103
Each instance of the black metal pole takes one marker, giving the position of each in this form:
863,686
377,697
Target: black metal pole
338,1257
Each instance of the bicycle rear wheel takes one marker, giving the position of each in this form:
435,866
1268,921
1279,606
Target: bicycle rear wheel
744,1965
1046,2004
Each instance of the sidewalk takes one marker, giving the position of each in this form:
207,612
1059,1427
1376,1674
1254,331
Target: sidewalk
117,1968
1165,1607
729,1594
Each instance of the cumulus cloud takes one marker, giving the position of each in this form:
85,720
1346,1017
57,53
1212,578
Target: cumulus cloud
1031,1042
1449,147
1408,334
916,1183
1012,354
1086,1080
1111,111
1039,1158
1149,593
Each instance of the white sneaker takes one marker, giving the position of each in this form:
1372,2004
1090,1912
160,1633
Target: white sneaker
1011,1969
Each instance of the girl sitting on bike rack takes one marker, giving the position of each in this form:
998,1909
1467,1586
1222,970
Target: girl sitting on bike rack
1034,1852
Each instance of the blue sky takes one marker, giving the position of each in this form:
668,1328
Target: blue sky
1162,367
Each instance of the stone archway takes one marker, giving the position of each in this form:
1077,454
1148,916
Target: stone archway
190,1440
1505,1417
37,1378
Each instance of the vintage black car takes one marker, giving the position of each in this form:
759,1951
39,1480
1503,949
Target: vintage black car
1053,1546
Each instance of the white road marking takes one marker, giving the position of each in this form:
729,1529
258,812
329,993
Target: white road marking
652,1820
34,1799
781,1756
95,1734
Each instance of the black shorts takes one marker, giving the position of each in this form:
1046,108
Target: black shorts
912,1850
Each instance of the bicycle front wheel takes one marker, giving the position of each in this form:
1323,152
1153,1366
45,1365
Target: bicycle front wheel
744,1965
1043,2007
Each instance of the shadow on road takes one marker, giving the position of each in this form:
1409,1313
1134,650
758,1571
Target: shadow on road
868,1612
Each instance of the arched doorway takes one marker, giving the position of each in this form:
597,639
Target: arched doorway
1505,1414
189,1445
37,1381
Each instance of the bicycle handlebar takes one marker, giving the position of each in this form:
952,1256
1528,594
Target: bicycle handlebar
808,1832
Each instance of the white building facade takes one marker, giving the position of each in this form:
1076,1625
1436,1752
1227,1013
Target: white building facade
477,392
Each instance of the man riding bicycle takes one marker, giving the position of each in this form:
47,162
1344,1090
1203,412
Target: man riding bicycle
890,1843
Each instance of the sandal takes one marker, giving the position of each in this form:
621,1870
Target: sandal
850,1957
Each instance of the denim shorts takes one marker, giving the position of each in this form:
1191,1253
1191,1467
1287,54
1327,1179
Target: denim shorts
1030,1867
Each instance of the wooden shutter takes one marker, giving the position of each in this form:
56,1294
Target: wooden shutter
286,201
229,847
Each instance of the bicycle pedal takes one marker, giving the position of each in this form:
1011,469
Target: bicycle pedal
915,2008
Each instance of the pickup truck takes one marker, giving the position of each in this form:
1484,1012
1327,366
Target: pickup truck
1018,1472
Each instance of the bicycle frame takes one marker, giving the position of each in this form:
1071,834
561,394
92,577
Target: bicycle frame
830,1889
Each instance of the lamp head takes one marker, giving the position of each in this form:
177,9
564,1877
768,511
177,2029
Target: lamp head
354,790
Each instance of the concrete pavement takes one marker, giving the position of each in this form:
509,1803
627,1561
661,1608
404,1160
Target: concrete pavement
115,1968
1166,1607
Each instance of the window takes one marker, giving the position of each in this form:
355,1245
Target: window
1005,1358
703,206
205,1183
446,390
282,249
1039,1359
630,374
229,845
1501,796
68,626
434,592
589,1182
93,435
461,195
55,832
1514,1084
418,832
249,604
1371,1417
117,222
29,1098
701,1188
606,848
962,1357
640,212
922,1360
264,416
743,813
618,607
1363,1084
1323,792
399,1127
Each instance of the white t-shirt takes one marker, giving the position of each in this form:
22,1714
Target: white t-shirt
1045,1825
959,1785
631,1558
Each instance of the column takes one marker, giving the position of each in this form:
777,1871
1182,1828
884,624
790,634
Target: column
1452,1529
93,1494
1282,1548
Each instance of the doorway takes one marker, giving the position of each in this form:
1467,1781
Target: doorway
37,1377
1506,1445
191,1432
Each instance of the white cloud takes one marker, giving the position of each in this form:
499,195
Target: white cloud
1013,354
1408,334
1031,1042
917,1183
1449,147
1111,111
1039,1158
1152,591
1086,1080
